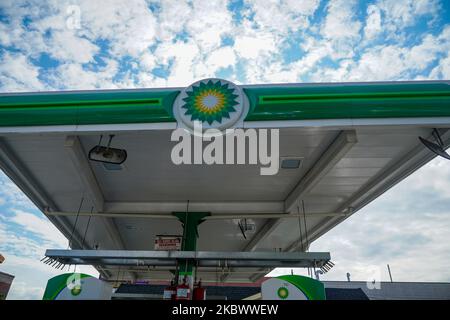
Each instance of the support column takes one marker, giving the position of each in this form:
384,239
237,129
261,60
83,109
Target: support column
190,222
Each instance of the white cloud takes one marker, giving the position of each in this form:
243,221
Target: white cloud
392,62
396,62
68,47
439,167
73,76
62,43
172,19
253,46
281,17
305,7
373,22
23,253
221,58
31,276
185,57
12,195
21,290
129,27
381,63
39,226
208,21
14,34
442,71
12,242
18,74
147,61
341,25
198,28
404,13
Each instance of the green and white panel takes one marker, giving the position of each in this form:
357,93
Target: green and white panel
292,287
77,286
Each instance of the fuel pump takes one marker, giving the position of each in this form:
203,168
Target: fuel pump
199,292
170,291
183,292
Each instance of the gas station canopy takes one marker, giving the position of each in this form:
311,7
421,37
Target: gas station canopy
341,146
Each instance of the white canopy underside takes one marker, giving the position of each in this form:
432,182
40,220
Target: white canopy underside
343,168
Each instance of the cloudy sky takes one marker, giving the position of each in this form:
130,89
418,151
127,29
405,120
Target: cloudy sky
63,45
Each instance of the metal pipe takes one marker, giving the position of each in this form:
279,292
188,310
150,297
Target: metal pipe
201,255
389,270
211,217
204,258
202,271
208,263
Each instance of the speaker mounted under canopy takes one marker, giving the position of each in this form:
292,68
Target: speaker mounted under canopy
436,147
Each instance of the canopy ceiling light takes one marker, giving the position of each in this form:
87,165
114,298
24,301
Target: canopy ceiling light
106,154
290,162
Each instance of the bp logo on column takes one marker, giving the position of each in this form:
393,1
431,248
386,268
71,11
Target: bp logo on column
215,103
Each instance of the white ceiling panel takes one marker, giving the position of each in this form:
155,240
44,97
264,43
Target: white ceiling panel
149,176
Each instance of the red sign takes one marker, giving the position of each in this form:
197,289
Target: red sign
169,243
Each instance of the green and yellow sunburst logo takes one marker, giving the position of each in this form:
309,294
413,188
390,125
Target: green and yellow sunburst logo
283,293
76,290
210,101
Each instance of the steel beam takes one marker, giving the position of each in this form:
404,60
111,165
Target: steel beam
333,154
15,170
202,258
338,148
211,217
379,184
228,207
79,160
78,157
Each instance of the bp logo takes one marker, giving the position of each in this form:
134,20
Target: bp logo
215,103
292,287
283,293
76,290
74,284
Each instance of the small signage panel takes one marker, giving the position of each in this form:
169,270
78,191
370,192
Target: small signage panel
168,243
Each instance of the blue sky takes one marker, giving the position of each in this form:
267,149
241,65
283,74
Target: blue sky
62,45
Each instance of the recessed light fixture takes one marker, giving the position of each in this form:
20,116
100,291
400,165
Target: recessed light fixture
290,162
112,166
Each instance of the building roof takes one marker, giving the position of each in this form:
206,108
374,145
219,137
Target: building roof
6,278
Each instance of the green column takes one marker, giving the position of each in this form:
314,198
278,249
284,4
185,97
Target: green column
190,222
